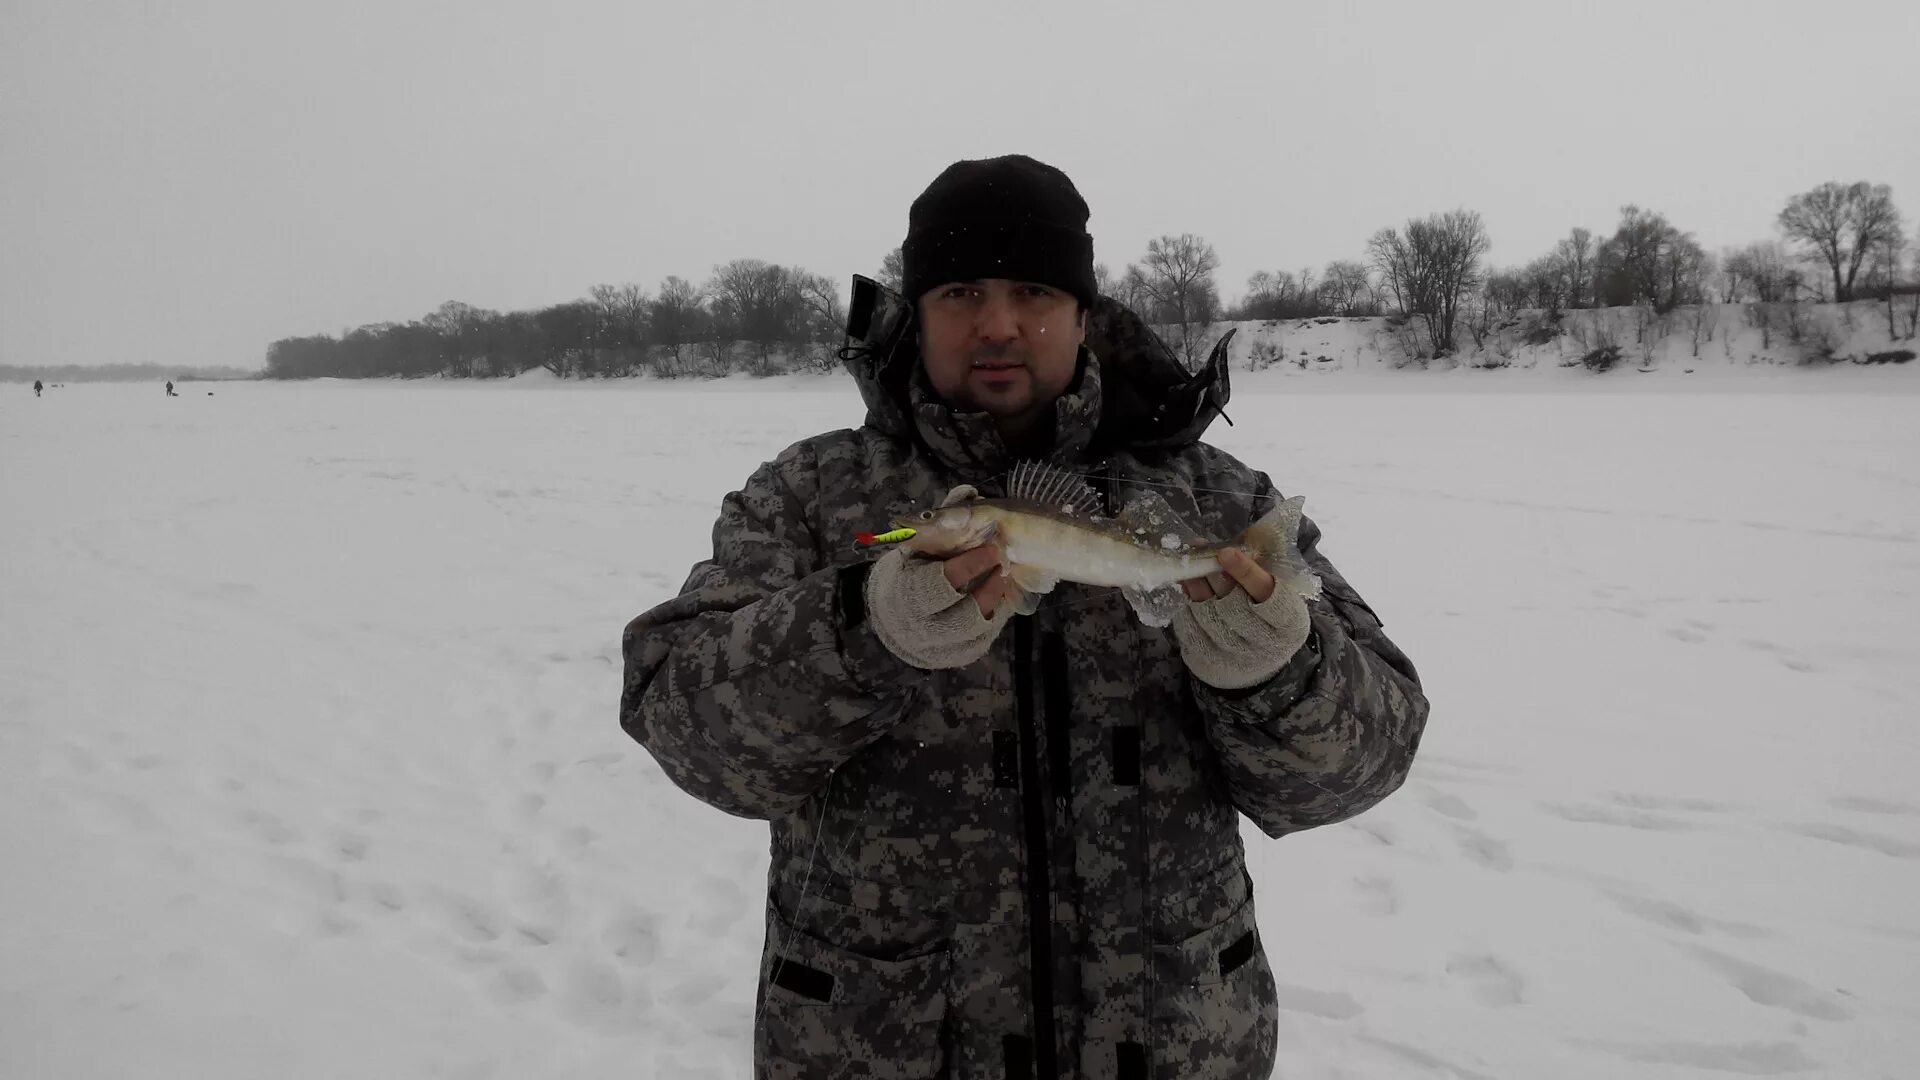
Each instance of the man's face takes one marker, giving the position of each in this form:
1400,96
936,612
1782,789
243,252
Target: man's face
1006,348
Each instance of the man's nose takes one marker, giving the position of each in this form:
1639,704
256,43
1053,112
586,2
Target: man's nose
998,320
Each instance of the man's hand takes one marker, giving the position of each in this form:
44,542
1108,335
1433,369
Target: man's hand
978,572
1239,572
939,611
1230,636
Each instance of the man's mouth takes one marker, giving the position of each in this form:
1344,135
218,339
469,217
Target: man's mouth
996,365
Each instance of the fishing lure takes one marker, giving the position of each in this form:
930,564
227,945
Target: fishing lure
867,539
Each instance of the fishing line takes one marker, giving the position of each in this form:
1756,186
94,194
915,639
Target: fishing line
797,924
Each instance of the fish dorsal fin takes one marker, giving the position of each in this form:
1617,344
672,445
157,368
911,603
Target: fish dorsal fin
1057,489
1149,520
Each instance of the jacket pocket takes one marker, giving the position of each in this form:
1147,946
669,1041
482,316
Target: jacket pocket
830,1012
1214,1011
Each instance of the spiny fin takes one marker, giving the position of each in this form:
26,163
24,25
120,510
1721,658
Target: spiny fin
1057,489
1274,542
1156,607
1150,521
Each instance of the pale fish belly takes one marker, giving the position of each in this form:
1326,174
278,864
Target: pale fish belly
1090,558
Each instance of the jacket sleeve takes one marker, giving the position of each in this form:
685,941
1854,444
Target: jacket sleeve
1335,731
762,676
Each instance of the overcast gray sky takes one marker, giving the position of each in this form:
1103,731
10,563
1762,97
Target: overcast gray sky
186,182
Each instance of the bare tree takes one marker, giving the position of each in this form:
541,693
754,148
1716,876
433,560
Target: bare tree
1649,261
1345,284
1734,276
893,271
1274,296
1130,290
1884,276
623,311
825,317
1544,281
1574,258
1841,224
675,320
1432,268
1177,276
1763,269
757,302
1103,280
464,335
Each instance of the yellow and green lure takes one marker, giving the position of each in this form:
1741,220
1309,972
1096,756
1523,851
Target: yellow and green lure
894,537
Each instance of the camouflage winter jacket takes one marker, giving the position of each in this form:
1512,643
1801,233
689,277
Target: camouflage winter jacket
1030,866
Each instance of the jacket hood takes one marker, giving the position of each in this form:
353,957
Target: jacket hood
1143,399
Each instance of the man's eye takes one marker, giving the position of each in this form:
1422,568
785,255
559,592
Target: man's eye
956,292
1035,291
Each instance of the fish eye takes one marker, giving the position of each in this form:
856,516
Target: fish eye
926,515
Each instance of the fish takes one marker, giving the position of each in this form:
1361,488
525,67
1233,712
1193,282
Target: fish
1050,530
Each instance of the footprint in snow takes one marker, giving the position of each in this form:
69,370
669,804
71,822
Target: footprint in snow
1746,1059
516,984
384,898
1484,849
466,918
1378,895
1660,913
1857,838
591,991
633,937
1490,980
1671,916
1656,802
1377,831
540,902
348,846
1774,989
1625,818
1447,805
1867,805
268,827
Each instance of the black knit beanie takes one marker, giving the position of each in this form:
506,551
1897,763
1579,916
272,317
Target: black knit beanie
1005,217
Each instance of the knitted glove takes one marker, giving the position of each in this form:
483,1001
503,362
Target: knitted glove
920,616
1231,643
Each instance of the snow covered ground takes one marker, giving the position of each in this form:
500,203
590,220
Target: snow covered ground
310,765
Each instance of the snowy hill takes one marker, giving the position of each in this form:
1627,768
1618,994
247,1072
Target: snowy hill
1709,338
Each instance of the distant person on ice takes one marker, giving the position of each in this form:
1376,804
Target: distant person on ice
1008,845
36,388
170,392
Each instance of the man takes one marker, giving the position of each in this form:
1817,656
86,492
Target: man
1008,845
36,388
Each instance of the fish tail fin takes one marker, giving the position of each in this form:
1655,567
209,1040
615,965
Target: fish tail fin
1274,542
